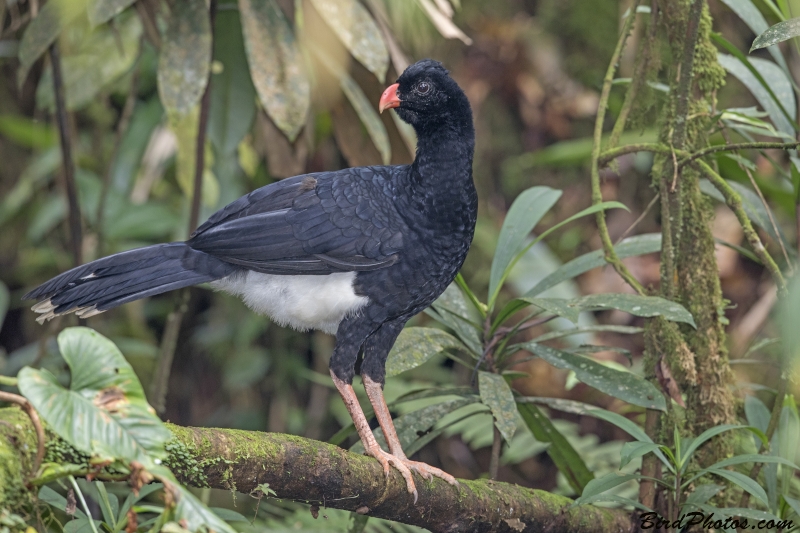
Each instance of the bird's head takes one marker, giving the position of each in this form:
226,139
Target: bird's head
426,95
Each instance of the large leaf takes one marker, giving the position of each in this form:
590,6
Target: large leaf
101,11
102,58
647,306
369,117
190,512
561,451
599,485
778,33
526,211
787,317
185,57
232,107
414,346
104,412
457,313
751,16
708,435
185,127
45,29
496,394
275,64
639,245
776,83
354,26
623,385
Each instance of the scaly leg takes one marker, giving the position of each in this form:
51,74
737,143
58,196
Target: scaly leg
371,446
375,394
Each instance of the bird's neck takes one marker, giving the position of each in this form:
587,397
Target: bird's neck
444,155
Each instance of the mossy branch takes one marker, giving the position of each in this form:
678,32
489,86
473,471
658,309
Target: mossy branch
322,474
734,201
597,196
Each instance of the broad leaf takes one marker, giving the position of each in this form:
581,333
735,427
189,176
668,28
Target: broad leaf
757,416
45,29
646,306
232,107
102,58
778,33
275,65
101,11
104,412
414,346
747,484
354,26
190,512
369,117
496,394
561,451
526,211
639,245
776,83
185,57
623,385
632,450
751,16
185,127
459,315
600,485
708,435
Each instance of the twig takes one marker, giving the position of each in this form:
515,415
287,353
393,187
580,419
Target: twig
494,461
8,381
37,424
738,146
66,156
734,201
639,219
597,196
148,22
606,157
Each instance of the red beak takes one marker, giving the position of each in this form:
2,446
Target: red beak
389,98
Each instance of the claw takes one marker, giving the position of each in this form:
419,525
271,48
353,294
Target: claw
386,459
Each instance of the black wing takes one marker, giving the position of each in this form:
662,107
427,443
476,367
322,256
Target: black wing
314,224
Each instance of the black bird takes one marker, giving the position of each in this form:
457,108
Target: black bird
355,252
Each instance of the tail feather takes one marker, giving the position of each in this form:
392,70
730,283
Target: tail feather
121,278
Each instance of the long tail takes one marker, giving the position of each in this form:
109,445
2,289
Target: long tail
98,286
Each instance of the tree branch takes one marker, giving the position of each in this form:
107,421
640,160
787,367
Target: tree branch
319,473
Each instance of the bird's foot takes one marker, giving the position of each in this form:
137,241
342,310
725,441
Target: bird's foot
386,459
427,471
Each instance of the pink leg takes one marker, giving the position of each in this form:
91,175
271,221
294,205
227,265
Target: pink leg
375,394
371,446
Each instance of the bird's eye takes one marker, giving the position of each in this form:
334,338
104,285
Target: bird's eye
423,87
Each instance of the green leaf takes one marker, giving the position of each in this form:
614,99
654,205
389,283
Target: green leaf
26,131
794,504
229,515
751,16
102,58
54,499
757,416
775,93
561,451
104,412
703,493
708,435
459,315
786,317
185,57
369,117
275,65
185,127
632,450
788,436
623,385
232,107
414,346
778,33
45,29
101,11
526,211
352,23
647,306
190,512
82,525
603,484
497,395
625,330
639,245
753,458
747,484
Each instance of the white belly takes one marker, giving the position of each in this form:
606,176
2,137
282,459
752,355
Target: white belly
301,302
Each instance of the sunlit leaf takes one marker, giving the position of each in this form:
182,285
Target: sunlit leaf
526,211
275,64
101,11
232,107
623,385
414,346
105,56
561,451
352,23
104,412
777,33
496,393
639,245
45,29
185,57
